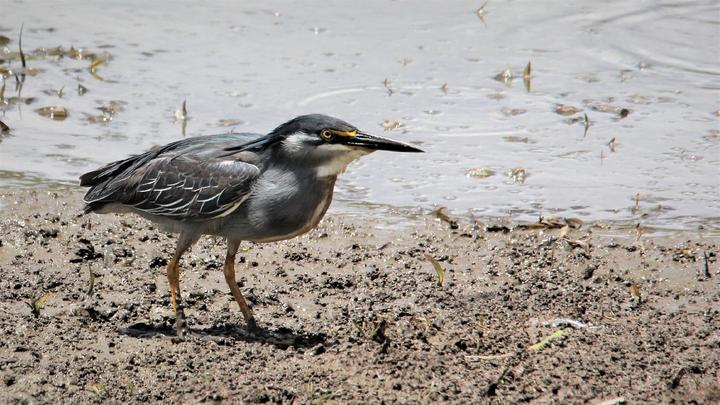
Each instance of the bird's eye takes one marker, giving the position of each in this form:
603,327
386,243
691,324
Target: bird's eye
327,135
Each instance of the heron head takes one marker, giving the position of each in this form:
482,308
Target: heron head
330,143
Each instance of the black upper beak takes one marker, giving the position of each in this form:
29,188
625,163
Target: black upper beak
365,140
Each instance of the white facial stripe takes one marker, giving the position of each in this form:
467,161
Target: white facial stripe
296,141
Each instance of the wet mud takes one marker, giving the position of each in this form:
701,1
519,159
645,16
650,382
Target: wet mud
353,312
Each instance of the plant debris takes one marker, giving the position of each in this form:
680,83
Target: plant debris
587,125
443,214
91,282
438,269
517,139
506,76
81,90
480,12
98,389
480,172
39,303
527,72
635,292
518,175
547,340
389,125
229,122
566,110
56,113
4,129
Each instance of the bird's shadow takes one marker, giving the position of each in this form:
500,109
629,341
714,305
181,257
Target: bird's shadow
280,337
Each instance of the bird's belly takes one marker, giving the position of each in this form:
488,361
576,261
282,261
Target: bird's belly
297,227
270,217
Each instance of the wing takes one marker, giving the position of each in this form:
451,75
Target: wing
180,187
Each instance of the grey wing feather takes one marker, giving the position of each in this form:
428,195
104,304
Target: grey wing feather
180,187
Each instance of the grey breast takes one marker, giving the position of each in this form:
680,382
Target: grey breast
284,202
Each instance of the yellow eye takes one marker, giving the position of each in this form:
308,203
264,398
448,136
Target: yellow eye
327,135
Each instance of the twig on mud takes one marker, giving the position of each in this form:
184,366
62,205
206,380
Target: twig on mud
559,322
491,357
546,341
706,267
613,401
91,286
492,387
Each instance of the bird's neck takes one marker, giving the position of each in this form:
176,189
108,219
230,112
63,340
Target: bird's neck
335,165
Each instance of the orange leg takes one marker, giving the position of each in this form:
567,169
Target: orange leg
173,275
229,270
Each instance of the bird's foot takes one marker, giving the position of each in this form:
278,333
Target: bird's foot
181,328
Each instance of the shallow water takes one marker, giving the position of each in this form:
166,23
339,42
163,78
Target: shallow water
260,64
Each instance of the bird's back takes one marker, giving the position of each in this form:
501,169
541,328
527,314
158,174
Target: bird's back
185,180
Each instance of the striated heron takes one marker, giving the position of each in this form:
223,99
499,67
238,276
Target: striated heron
240,186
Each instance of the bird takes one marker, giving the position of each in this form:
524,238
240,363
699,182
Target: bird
238,186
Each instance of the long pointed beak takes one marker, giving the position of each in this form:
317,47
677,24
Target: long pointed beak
373,142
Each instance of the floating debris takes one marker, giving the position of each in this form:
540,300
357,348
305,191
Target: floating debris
518,175
94,66
386,83
496,96
53,92
4,40
587,125
566,110
22,55
389,125
81,90
511,112
517,139
4,129
405,61
229,122
527,72
505,76
444,88
611,144
547,340
480,172
54,112
480,13
108,112
438,269
182,113
624,113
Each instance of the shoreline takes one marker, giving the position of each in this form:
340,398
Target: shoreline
354,312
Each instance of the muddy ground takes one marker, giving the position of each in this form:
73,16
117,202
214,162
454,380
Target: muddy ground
353,313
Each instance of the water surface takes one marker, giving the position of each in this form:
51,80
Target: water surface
249,66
